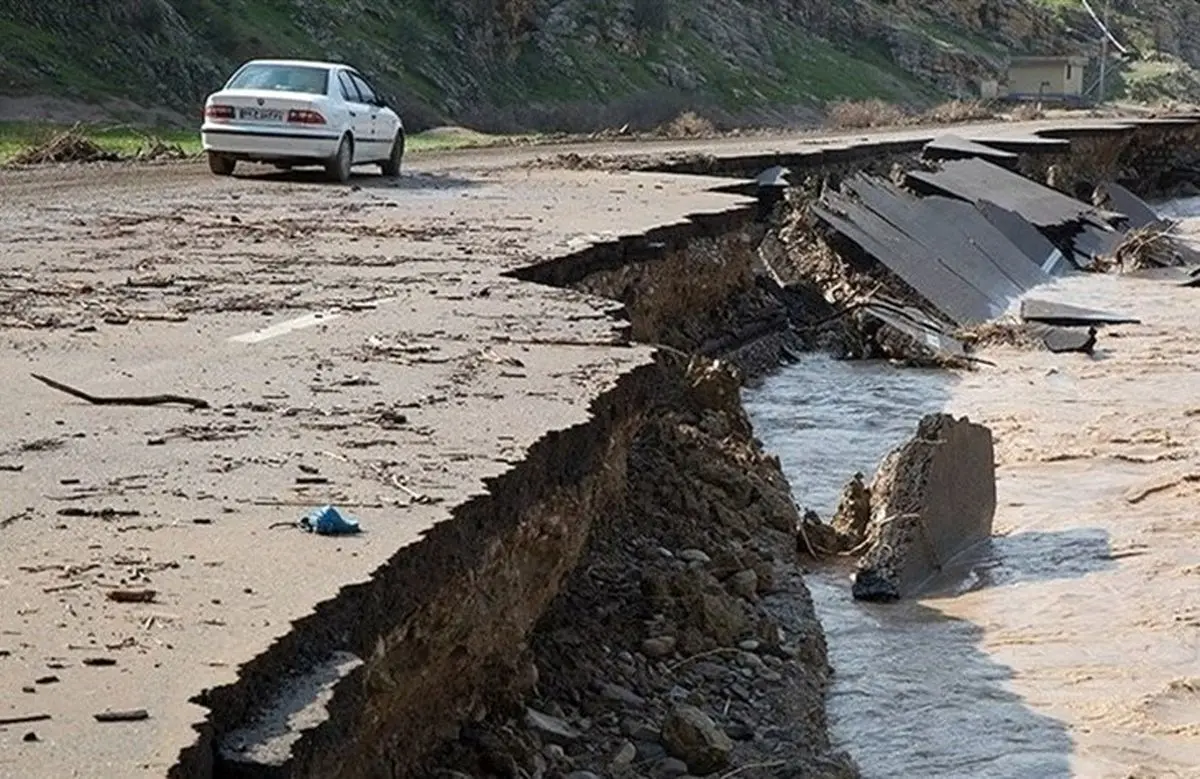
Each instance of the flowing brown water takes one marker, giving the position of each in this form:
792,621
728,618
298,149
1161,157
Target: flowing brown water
1070,645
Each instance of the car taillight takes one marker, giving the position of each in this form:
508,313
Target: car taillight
305,116
218,112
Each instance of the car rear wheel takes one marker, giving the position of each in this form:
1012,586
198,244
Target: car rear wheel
221,165
338,168
391,166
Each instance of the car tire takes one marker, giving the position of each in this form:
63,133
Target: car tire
220,165
391,166
338,168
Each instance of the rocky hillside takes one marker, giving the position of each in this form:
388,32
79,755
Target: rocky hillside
566,64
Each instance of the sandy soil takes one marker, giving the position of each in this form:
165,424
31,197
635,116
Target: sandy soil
1103,635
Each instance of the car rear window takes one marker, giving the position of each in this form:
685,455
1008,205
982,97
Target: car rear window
282,78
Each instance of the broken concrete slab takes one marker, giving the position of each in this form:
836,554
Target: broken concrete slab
973,180
1036,246
1065,315
1066,339
955,147
924,331
1092,243
932,498
1115,197
945,251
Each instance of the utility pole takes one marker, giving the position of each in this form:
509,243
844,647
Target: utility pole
1104,52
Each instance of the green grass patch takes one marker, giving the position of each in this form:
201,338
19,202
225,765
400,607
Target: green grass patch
123,140
128,141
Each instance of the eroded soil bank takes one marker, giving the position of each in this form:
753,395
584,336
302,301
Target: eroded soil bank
685,639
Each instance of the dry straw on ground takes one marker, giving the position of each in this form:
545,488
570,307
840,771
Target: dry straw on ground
68,146
688,124
1144,247
863,114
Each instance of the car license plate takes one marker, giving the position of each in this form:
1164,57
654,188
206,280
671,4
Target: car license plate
261,114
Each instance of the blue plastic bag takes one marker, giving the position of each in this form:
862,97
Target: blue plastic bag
328,521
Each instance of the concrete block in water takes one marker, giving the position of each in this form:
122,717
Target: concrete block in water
932,498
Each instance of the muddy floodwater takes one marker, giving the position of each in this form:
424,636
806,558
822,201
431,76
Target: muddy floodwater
1069,646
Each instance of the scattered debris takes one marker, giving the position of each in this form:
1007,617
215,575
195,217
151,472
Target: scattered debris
104,513
119,400
158,149
68,146
63,587
1141,248
327,520
417,497
132,596
23,719
128,715
1000,332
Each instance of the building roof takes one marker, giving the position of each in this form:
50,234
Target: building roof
1056,59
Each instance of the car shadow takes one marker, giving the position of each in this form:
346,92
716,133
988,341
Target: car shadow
363,179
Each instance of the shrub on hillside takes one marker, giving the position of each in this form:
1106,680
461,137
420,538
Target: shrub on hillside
861,114
1027,112
688,124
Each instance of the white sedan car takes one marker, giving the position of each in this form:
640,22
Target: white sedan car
295,112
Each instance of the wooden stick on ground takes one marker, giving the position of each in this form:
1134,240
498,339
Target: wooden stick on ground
122,400
23,720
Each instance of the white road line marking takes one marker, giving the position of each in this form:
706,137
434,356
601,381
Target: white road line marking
282,328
